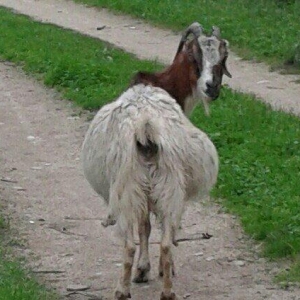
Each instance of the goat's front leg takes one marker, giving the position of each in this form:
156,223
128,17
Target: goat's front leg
167,260
123,289
143,266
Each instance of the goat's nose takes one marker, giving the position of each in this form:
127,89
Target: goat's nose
212,90
211,85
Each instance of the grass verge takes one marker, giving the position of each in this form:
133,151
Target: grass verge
266,30
15,282
258,148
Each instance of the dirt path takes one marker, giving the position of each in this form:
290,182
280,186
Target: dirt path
59,215
282,92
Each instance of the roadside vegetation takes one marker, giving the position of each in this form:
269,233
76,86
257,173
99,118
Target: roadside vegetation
262,30
259,148
15,282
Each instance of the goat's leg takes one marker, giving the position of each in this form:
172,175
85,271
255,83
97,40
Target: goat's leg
160,266
143,266
123,289
166,260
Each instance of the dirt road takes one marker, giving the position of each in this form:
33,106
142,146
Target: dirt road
58,214
281,91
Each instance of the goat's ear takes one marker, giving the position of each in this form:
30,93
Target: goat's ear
224,67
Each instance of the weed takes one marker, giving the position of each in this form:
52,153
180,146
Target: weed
290,275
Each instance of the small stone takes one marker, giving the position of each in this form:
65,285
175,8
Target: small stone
185,296
77,287
31,222
261,260
36,168
101,27
239,263
199,254
19,188
210,258
119,265
263,81
30,138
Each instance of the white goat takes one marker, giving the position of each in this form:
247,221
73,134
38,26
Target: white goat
142,155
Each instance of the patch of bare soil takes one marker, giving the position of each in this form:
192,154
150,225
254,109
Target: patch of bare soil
59,216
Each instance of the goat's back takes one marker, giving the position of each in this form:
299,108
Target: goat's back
146,117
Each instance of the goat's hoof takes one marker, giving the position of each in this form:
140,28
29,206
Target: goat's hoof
142,274
121,296
110,221
172,296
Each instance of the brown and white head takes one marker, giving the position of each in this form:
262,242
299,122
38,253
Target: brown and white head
209,53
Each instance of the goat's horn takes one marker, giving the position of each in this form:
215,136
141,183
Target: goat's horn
195,28
216,32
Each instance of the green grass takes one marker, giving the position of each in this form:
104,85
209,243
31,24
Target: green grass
259,168
15,282
258,148
267,30
290,275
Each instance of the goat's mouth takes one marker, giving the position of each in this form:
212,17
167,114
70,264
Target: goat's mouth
212,94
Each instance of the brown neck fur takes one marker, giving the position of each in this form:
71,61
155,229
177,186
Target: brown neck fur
178,80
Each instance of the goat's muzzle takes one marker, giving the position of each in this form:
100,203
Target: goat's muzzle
212,90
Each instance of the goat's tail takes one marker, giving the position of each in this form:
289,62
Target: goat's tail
147,139
128,193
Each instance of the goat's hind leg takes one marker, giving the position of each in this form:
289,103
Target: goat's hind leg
122,291
167,260
143,266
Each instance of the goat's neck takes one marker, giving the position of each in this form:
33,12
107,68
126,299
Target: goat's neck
180,81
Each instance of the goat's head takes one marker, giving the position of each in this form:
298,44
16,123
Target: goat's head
209,53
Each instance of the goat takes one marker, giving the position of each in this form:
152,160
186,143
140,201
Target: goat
142,154
196,71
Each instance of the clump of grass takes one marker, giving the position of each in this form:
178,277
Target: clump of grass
16,284
261,30
258,148
289,275
3,223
